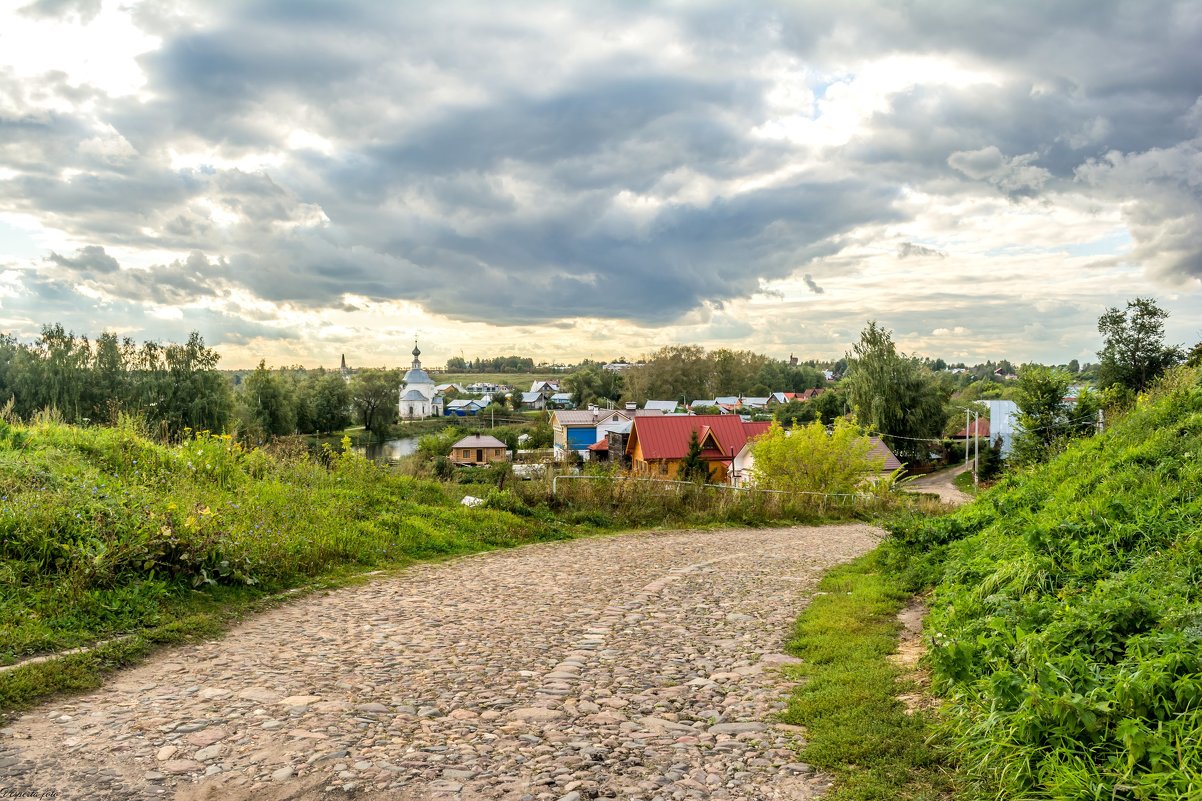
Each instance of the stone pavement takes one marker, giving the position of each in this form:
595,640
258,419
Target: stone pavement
642,666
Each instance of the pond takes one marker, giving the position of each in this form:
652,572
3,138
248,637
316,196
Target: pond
390,450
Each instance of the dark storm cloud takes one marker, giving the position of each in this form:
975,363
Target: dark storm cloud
492,164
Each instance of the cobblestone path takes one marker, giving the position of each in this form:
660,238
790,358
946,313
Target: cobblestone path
631,667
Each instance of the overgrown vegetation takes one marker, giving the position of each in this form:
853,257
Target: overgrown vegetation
103,531
856,728
808,458
1066,623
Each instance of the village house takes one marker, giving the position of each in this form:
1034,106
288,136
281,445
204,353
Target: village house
579,429
465,407
479,449
657,445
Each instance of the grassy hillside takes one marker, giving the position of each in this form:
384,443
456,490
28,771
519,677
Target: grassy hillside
104,532
1067,626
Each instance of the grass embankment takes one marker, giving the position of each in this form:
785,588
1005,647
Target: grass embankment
848,699
105,533
1066,624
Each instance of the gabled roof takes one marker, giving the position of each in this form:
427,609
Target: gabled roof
585,418
979,428
667,407
599,445
531,397
464,403
479,441
783,397
755,403
881,450
667,437
562,396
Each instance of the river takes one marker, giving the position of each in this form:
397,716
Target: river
390,450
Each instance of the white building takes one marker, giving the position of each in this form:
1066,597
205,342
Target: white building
1003,422
419,398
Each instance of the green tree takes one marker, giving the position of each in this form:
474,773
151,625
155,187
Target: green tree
795,413
374,394
1133,353
267,399
692,466
1194,358
593,383
894,394
809,459
1046,421
331,403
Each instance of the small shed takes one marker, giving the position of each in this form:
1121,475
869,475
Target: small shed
479,449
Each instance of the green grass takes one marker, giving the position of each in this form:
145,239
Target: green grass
1067,615
857,729
104,533
964,483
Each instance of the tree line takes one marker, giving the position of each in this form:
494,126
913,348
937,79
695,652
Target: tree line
172,386
495,364
176,387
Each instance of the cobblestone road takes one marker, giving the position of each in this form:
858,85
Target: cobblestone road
635,667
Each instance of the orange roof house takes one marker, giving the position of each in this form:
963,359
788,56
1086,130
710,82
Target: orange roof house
979,428
658,445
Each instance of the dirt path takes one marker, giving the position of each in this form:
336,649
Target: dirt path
941,484
633,667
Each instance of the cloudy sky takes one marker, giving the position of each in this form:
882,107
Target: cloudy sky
298,179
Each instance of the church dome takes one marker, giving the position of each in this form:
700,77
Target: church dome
417,376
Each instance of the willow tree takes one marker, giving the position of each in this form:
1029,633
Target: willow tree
894,394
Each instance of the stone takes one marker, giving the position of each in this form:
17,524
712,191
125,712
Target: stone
536,714
372,707
207,737
283,774
165,753
178,766
299,700
206,754
736,728
260,695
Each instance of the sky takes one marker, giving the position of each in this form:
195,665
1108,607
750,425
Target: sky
298,180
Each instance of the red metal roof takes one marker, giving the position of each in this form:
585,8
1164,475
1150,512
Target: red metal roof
979,428
668,437
599,445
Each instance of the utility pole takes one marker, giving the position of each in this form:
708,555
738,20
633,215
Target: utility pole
967,428
976,459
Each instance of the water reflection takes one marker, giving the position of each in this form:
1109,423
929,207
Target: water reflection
389,450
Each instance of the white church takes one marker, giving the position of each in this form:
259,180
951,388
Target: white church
419,398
